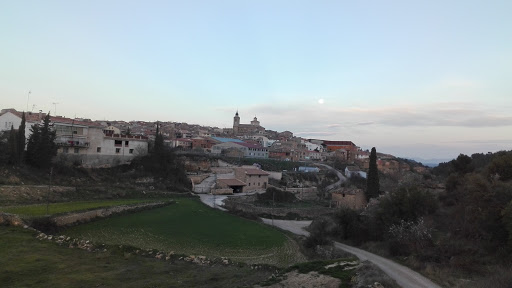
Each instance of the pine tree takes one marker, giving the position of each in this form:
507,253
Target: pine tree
21,139
372,182
41,144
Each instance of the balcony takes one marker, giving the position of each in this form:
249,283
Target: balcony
71,142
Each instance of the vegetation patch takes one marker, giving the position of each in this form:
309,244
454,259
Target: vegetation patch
192,228
28,262
59,208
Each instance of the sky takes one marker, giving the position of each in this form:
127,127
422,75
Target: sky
427,79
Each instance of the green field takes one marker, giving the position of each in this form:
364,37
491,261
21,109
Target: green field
28,262
192,228
57,208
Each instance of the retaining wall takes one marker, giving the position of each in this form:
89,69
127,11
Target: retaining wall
313,212
87,216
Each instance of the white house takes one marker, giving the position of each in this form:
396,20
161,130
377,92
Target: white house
81,141
353,171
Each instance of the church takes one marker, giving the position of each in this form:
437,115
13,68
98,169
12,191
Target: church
246,129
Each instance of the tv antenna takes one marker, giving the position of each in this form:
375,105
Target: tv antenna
28,97
55,108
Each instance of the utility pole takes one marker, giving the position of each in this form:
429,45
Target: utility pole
273,203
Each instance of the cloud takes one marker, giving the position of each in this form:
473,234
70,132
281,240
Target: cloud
308,134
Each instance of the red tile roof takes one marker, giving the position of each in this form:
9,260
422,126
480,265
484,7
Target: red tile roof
256,172
232,182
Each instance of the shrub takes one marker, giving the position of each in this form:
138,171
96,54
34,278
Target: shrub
319,231
277,195
411,236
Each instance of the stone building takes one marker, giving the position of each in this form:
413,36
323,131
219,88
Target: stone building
352,198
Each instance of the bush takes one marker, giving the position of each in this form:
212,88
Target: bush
410,236
279,196
319,231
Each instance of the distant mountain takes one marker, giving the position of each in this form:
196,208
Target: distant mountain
431,162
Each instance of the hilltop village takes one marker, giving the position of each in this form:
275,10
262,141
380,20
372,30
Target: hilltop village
101,142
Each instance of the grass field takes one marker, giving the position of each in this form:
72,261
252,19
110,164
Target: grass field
192,228
56,208
28,262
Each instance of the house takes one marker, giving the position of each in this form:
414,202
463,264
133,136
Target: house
83,141
182,143
351,171
235,185
248,150
254,178
352,198
88,143
309,169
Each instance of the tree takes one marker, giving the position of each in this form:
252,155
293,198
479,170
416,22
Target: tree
21,141
159,140
502,165
41,144
13,149
372,183
463,164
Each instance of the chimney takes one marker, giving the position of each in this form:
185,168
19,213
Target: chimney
40,114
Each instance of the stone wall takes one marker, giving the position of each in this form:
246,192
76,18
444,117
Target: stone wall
10,220
87,216
196,179
306,193
222,191
312,212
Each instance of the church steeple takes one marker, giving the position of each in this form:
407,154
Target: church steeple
236,123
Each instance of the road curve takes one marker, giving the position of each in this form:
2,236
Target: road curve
341,177
403,276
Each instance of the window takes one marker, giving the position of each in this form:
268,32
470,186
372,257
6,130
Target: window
118,150
259,183
249,184
131,151
65,150
77,150
98,149
126,143
118,143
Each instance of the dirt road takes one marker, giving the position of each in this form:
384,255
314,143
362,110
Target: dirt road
404,276
341,177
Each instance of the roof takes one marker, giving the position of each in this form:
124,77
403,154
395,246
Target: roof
223,140
353,168
232,182
347,191
341,143
64,120
255,171
250,145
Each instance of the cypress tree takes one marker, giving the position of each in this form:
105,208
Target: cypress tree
373,187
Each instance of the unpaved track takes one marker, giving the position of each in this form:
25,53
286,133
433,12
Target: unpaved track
341,177
403,276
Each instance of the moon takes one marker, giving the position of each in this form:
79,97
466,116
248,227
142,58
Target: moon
321,101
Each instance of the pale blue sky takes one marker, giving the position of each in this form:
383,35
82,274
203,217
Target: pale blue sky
428,79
